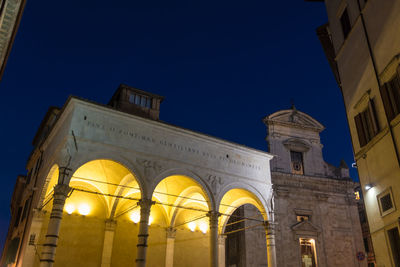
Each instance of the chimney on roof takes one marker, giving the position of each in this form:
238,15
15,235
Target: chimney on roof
137,102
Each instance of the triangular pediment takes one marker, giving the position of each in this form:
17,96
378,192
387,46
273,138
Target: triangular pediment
294,118
305,226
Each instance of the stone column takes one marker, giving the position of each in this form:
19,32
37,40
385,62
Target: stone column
221,248
169,254
108,243
50,245
145,206
271,249
213,215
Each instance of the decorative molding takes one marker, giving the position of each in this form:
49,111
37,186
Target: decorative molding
285,183
151,168
362,103
296,144
215,182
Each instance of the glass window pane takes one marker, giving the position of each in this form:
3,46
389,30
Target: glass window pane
132,98
148,103
143,101
137,99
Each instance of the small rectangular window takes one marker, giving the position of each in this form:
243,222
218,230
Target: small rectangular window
345,23
385,201
137,99
26,207
302,218
32,239
148,102
18,217
132,98
297,162
143,101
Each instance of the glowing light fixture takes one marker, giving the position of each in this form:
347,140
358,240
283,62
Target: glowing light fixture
84,209
368,187
69,208
135,217
151,219
192,226
203,227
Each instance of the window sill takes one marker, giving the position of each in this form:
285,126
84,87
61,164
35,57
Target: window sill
371,143
395,121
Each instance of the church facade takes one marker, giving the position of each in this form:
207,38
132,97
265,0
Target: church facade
112,185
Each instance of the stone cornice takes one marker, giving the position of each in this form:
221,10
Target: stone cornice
286,181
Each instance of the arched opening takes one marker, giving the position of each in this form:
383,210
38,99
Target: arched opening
50,182
181,207
242,230
96,218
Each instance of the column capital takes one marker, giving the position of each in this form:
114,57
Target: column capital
214,215
110,225
62,190
64,174
171,232
269,226
146,203
221,239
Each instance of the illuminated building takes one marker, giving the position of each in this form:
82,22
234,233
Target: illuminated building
112,185
362,44
314,203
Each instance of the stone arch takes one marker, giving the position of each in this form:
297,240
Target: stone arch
250,195
83,158
105,169
188,192
186,173
52,173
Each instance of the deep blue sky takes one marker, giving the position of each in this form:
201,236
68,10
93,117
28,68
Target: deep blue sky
221,65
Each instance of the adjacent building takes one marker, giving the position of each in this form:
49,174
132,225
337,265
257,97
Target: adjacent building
314,204
10,16
362,45
112,185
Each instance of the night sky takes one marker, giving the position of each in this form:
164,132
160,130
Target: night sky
221,65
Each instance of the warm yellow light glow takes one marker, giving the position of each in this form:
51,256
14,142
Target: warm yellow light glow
151,219
203,227
135,217
69,208
84,209
192,226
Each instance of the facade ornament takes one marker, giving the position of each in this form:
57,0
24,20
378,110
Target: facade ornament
151,168
215,182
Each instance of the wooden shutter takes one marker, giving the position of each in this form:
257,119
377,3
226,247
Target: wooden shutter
360,130
386,102
374,118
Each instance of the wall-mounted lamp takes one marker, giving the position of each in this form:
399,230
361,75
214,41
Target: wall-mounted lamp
368,187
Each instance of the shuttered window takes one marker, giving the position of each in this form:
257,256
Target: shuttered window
345,23
366,124
390,92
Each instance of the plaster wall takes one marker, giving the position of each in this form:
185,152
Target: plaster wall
333,224
376,161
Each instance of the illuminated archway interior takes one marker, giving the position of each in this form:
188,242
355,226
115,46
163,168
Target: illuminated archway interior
103,191
242,223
